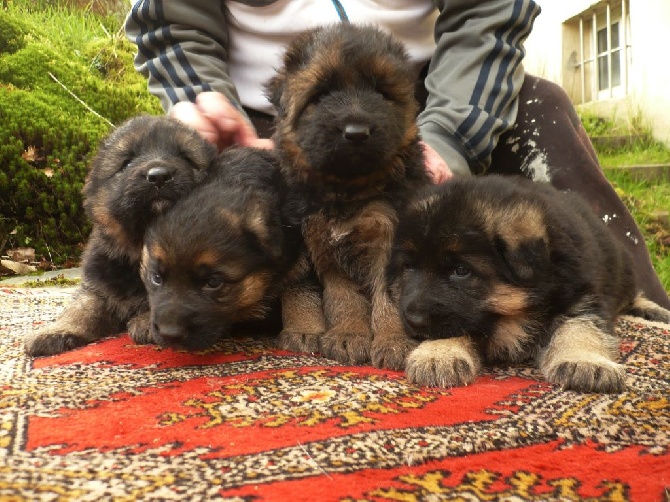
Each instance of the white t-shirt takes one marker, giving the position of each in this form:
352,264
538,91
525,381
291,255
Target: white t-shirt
258,35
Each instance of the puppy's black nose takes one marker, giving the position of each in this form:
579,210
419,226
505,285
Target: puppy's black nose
416,319
170,334
356,132
159,176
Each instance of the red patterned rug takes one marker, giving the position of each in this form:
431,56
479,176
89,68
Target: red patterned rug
246,422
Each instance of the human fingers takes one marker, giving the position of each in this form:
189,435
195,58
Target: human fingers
266,144
436,167
232,125
190,114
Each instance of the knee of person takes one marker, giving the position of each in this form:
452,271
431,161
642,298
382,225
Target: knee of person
543,89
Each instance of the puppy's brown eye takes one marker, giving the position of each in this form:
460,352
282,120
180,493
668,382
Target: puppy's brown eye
318,95
126,162
186,157
156,279
385,93
214,282
460,272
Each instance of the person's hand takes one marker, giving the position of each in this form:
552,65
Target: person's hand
436,167
218,121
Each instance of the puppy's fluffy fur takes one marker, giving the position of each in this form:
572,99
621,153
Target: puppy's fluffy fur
139,171
347,135
220,255
498,269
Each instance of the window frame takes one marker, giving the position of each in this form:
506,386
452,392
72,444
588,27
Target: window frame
585,61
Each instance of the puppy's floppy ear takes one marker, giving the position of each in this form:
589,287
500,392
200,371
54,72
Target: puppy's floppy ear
265,227
297,55
525,261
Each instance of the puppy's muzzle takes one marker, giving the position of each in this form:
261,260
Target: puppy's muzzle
169,324
169,333
356,133
416,318
416,312
159,176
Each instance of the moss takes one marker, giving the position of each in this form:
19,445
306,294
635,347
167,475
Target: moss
113,58
60,280
44,158
47,136
12,33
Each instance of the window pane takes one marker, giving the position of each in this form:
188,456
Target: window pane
603,80
615,35
602,40
616,68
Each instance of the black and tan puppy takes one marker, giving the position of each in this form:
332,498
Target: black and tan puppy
494,269
220,255
347,136
139,171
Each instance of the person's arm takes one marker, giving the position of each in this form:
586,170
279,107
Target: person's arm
181,49
474,78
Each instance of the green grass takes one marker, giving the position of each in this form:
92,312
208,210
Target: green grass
69,28
654,153
643,150
95,39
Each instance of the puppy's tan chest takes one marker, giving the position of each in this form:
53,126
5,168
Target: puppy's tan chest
354,243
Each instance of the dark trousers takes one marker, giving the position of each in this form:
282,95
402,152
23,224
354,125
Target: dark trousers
549,143
549,140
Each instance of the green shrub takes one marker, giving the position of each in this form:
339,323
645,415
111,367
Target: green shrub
48,132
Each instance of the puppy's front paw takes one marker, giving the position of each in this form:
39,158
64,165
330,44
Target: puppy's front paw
297,341
648,310
346,347
49,341
597,374
139,329
443,363
580,356
392,353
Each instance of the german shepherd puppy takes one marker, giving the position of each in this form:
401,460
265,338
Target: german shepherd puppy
496,269
140,170
349,146
220,255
